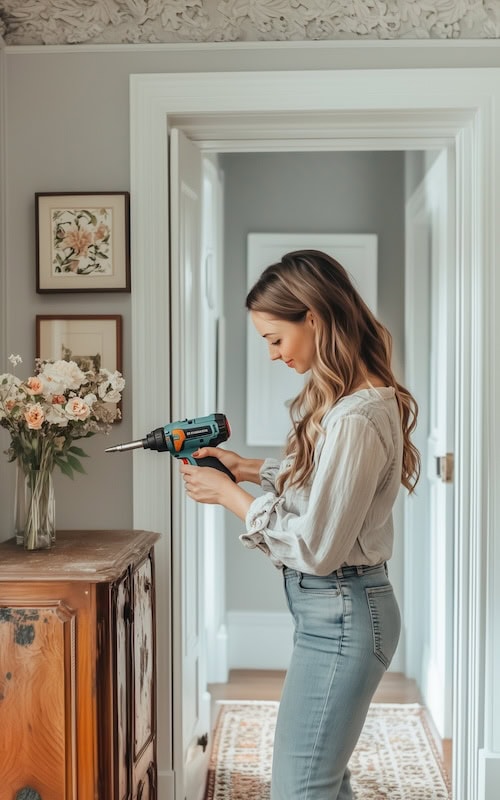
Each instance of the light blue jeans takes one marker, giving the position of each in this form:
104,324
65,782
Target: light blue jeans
347,627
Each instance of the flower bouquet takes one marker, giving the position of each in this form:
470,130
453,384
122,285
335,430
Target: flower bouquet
44,415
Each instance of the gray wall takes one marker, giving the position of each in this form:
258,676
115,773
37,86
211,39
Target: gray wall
64,126
300,193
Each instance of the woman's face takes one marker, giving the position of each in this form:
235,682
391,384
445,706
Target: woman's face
291,342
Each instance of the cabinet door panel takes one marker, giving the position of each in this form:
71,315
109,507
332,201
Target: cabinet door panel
37,694
143,658
146,786
122,683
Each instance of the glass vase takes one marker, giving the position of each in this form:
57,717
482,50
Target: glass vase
35,509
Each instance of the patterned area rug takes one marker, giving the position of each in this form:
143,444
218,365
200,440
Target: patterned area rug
395,757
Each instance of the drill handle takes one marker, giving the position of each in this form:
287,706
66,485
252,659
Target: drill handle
211,461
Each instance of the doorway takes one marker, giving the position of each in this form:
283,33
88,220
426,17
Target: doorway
315,199
313,109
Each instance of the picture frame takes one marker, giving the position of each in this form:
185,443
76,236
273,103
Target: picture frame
269,397
82,242
91,340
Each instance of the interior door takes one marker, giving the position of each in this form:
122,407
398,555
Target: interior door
430,369
211,371
440,443
190,700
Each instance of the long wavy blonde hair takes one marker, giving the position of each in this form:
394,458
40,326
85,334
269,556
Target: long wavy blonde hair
350,344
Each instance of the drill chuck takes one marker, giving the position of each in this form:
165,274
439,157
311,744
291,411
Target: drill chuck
155,440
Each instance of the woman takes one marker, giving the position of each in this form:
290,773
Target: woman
325,517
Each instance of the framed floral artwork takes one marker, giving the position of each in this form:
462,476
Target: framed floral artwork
92,341
82,242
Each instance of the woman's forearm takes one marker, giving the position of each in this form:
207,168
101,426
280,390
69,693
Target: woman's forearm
250,470
238,501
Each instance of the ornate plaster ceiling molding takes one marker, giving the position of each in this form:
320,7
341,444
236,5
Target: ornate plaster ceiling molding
38,22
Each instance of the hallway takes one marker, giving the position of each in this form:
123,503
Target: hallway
266,685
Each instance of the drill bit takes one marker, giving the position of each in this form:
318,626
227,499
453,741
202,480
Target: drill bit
127,446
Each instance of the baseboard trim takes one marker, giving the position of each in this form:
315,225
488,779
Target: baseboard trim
489,775
264,640
259,639
166,783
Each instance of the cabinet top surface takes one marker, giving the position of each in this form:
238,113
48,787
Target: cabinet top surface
95,556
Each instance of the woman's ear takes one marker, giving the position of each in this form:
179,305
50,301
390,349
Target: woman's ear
310,318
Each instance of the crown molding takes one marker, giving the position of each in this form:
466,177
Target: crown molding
123,22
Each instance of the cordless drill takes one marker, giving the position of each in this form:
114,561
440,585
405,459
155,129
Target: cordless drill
183,438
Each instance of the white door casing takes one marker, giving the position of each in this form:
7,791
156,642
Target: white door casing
191,714
380,109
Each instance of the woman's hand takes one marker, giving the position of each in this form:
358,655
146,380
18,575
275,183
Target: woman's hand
208,485
231,460
243,469
204,484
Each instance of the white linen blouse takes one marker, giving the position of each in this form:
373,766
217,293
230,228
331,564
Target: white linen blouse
344,516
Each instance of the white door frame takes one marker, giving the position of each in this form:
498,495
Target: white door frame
344,110
429,537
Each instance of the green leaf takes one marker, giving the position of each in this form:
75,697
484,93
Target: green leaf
78,451
64,467
75,464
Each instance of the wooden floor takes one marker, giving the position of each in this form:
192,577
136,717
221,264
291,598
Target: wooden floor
267,684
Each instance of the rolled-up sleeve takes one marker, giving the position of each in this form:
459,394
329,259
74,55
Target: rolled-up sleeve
319,538
268,474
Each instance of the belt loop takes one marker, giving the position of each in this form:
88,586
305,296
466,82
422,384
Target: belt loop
359,570
340,574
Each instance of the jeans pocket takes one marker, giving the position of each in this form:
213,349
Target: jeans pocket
385,620
319,584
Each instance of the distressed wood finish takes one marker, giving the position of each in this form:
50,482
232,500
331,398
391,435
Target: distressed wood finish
77,668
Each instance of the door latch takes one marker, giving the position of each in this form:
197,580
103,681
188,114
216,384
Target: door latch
445,467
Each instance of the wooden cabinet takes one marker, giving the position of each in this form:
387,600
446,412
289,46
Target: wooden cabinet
77,668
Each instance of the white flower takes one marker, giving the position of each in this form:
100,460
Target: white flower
15,360
9,380
59,376
117,381
90,399
56,416
71,404
113,396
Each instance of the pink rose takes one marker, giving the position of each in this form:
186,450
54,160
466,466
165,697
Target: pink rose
58,400
34,386
76,408
34,416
